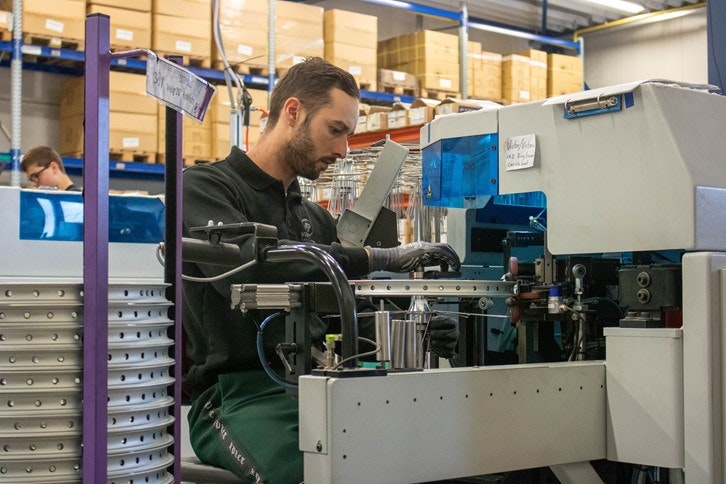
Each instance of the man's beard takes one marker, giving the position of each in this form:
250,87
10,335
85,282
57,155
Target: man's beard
297,154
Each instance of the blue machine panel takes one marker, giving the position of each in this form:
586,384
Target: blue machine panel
59,216
460,172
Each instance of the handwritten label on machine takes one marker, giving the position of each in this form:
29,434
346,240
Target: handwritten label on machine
519,152
177,87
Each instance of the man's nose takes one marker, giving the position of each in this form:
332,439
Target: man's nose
341,148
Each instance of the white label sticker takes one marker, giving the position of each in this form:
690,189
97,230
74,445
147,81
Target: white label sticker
131,142
355,70
297,59
399,76
177,87
4,17
244,49
523,94
183,45
31,49
54,25
445,83
519,152
123,34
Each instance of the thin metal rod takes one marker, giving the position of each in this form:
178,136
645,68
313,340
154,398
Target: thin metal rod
173,266
16,92
95,250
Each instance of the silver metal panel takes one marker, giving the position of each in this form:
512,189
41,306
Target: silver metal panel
354,225
703,313
645,396
710,209
437,424
313,431
432,287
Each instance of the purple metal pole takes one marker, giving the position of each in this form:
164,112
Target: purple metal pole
173,267
95,251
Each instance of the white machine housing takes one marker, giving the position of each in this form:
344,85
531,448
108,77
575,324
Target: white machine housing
647,177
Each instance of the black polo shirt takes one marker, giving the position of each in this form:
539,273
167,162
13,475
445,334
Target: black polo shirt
234,190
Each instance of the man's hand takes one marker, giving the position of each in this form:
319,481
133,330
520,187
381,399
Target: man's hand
406,258
443,336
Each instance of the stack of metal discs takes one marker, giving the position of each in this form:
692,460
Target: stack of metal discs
41,371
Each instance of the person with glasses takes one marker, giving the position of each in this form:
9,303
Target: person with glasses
44,168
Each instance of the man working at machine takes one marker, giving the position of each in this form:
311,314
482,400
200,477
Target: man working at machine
240,419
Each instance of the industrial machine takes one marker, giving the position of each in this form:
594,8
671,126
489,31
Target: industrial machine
42,324
602,215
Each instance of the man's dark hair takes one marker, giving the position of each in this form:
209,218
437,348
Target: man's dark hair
41,156
311,82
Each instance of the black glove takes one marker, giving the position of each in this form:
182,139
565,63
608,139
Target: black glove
443,336
406,258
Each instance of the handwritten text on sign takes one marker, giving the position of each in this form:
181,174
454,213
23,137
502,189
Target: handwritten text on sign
519,152
176,87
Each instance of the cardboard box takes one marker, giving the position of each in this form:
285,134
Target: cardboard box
129,28
298,32
61,19
248,46
362,124
350,28
140,5
389,78
358,61
422,111
5,20
127,132
516,80
560,62
185,36
473,55
293,50
219,109
127,93
196,9
377,118
453,105
398,115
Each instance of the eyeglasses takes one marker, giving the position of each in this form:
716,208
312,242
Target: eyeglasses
33,177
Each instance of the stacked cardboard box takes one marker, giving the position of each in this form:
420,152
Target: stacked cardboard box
58,21
431,56
196,138
219,117
130,21
516,79
5,25
298,32
538,73
488,79
132,116
473,62
243,25
351,40
182,27
564,74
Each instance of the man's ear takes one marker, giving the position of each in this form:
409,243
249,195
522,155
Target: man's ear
292,110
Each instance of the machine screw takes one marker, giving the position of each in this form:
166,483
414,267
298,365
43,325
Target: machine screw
643,279
319,446
643,296
493,181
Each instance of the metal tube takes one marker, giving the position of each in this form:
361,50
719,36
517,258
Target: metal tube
341,288
383,334
464,52
95,250
16,92
173,256
398,344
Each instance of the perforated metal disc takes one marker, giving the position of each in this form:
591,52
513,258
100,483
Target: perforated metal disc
41,372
